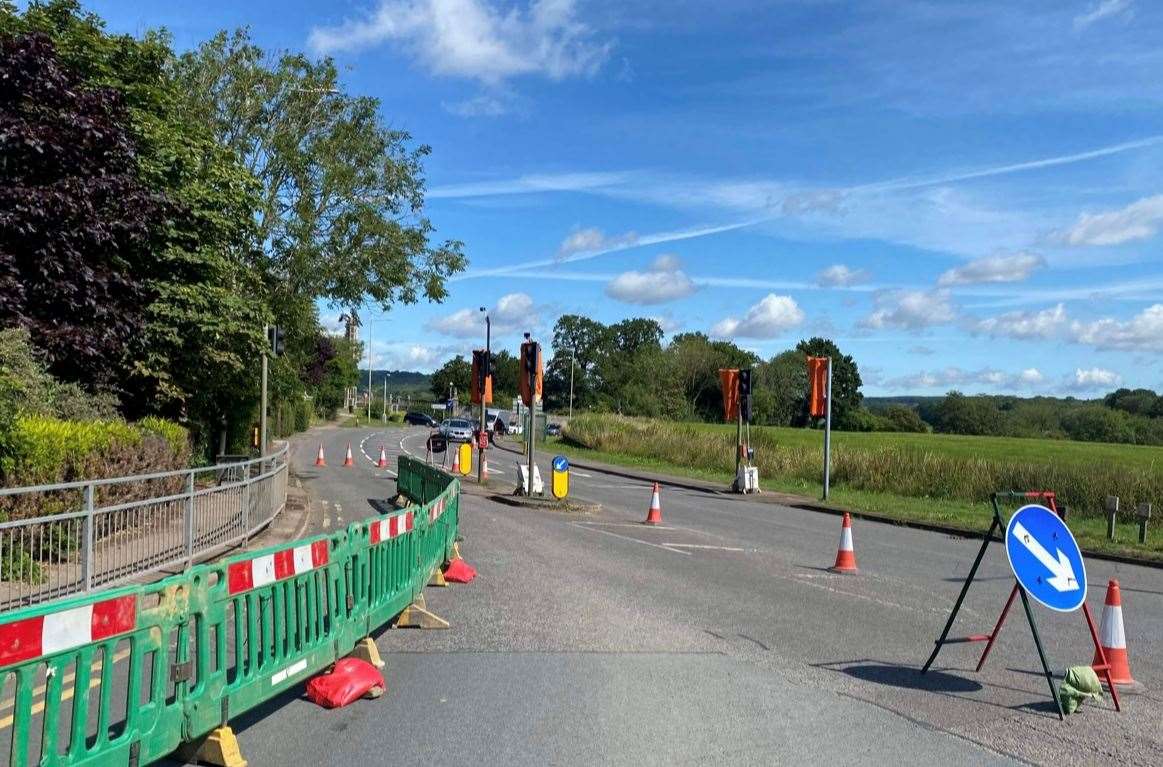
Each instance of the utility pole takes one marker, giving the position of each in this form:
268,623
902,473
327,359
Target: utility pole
572,360
385,398
828,430
262,418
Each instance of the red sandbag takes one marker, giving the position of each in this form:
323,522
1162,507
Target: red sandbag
349,680
459,571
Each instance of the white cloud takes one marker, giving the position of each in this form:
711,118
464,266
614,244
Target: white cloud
1048,323
1094,378
513,311
955,377
591,240
841,276
766,319
663,281
1141,333
1102,10
484,105
1013,267
910,310
476,39
1138,221
668,322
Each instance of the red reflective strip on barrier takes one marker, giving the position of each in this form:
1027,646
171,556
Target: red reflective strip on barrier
386,529
114,616
284,564
394,527
319,553
373,532
20,640
408,523
239,578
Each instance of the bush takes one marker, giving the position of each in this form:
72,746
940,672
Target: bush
303,416
48,450
397,417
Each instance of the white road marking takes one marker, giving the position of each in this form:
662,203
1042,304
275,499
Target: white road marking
577,473
634,540
638,525
704,546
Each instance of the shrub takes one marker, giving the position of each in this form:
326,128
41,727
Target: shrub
303,416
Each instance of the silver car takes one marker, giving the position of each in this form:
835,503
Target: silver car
457,430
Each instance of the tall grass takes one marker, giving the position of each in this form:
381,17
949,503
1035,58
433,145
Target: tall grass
923,466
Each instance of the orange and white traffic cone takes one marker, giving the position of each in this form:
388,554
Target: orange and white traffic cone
319,458
348,461
383,462
1113,638
455,461
654,516
845,555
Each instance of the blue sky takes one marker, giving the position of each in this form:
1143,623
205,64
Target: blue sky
962,194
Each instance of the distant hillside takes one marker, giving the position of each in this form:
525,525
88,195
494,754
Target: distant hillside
399,381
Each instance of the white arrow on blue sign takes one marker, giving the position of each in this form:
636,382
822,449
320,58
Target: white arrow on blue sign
1045,558
560,463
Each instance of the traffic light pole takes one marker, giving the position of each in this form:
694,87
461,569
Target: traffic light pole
262,418
828,430
488,364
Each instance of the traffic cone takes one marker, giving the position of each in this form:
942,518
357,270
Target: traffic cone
1112,637
455,461
348,460
383,462
319,458
845,555
654,516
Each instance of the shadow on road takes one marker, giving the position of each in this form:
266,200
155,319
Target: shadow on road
906,677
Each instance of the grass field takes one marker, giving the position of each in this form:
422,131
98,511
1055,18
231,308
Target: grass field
922,477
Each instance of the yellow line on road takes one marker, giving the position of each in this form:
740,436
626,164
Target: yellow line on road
39,691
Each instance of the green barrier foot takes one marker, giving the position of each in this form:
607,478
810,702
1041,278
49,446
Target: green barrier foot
365,649
219,748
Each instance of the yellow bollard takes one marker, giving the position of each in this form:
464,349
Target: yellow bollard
465,458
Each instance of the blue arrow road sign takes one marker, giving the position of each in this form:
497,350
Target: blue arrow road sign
560,463
1045,558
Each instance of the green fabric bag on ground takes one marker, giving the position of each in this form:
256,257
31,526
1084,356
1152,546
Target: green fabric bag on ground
1080,684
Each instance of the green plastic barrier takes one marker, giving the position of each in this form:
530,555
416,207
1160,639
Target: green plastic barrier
127,675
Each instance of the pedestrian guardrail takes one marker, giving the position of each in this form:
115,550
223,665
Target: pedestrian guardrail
128,675
112,530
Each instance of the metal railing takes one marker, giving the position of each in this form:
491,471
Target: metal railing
111,530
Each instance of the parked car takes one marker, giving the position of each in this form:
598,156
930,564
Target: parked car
514,427
457,430
553,430
420,419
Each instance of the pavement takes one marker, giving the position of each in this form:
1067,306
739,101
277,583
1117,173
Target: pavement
719,634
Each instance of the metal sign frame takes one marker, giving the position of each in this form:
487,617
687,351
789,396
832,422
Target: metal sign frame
998,525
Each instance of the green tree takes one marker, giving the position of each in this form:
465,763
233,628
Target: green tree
457,372
905,418
958,414
846,382
342,196
781,386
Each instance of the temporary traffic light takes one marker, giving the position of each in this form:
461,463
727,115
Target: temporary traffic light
482,377
818,386
745,394
530,367
729,380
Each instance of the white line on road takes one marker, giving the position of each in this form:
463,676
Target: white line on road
638,525
704,546
635,540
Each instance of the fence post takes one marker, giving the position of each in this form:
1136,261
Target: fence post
87,542
246,509
1112,510
1144,513
190,518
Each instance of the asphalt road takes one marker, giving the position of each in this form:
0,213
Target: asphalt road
716,635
